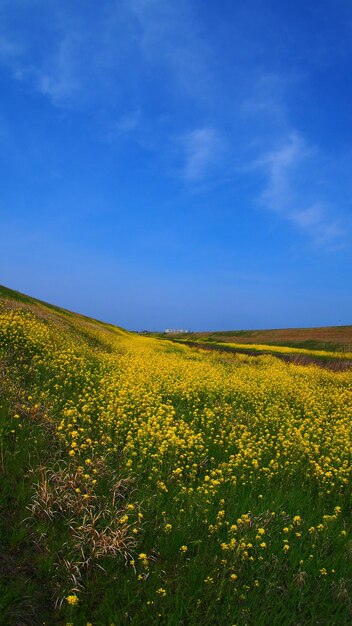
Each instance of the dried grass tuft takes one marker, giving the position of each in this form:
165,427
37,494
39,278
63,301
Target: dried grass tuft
95,526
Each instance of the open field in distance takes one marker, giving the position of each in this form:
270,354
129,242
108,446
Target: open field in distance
329,338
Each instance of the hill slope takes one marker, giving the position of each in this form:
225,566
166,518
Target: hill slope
144,482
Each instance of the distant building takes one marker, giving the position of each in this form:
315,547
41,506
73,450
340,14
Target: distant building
175,331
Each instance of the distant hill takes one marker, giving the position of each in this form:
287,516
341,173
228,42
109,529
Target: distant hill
328,338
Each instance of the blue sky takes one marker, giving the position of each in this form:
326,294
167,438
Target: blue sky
179,164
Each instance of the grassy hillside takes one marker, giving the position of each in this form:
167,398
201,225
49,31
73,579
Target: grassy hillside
143,482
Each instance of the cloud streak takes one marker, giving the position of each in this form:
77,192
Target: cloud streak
105,64
126,41
168,37
202,149
286,186
147,69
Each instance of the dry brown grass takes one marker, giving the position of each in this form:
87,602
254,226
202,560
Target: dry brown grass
95,525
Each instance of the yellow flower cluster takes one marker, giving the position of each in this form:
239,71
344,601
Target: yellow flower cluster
274,349
199,431
72,599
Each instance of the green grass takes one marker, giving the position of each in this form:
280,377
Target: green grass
33,546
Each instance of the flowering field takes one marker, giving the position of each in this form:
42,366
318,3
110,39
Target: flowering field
289,350
144,482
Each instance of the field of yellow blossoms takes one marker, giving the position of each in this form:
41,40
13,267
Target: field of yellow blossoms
145,482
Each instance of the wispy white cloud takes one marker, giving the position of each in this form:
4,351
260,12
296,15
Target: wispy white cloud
318,222
290,166
68,57
169,37
106,63
279,166
202,149
143,61
56,70
60,79
288,193
129,40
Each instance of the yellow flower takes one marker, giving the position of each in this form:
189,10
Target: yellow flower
161,592
72,599
184,549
